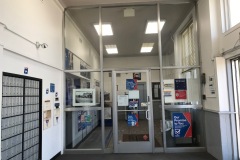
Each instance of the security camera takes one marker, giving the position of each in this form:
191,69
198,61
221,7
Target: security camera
44,45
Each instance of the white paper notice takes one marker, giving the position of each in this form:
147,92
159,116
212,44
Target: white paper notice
122,100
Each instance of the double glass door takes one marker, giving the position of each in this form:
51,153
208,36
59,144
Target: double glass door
132,114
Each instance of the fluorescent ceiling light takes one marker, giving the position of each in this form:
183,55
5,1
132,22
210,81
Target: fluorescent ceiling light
147,47
111,49
152,27
106,29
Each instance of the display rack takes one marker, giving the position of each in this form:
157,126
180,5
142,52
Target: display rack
21,118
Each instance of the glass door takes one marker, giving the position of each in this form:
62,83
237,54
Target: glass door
132,112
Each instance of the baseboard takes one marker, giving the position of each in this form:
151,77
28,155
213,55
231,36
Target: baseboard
56,156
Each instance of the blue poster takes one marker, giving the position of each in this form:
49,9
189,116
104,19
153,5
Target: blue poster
180,84
131,84
26,70
132,119
81,120
52,87
182,126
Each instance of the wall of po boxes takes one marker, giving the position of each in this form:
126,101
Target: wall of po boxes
21,118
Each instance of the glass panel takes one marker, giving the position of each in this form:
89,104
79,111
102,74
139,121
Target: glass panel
184,127
182,87
182,97
236,92
81,39
83,111
128,25
157,110
108,118
132,107
177,36
83,130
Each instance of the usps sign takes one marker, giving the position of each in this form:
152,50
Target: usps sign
182,125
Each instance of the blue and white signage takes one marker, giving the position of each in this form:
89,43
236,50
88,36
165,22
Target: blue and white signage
182,125
26,70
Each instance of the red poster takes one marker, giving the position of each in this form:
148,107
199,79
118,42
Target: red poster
189,131
136,85
181,94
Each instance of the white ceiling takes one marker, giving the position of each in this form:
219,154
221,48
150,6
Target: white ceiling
129,31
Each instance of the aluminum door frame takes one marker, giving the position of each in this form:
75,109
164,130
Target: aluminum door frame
133,147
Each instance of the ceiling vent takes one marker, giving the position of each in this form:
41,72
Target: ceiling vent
129,12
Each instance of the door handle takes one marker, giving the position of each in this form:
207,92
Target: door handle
147,117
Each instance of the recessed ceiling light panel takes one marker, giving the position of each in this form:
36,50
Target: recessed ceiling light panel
111,49
147,47
106,29
152,27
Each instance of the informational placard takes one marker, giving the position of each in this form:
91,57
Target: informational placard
133,103
47,119
212,85
181,94
52,87
168,88
47,114
133,94
122,100
81,120
180,89
47,105
56,113
182,125
180,84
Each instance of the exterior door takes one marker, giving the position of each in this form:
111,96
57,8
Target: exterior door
132,112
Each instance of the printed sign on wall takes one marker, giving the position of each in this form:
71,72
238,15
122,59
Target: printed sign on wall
181,94
180,84
182,125
180,88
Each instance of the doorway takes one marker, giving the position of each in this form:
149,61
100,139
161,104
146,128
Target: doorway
132,112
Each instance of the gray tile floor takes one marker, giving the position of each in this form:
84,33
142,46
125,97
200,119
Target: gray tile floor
93,141
153,156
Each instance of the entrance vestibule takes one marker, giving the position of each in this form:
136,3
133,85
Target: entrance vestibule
167,85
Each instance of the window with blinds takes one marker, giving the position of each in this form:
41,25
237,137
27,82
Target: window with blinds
188,47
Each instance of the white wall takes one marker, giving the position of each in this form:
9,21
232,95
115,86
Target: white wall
36,21
212,43
131,62
77,43
207,61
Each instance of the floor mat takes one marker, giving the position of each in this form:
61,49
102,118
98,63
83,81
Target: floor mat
137,138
